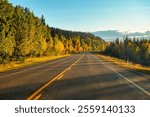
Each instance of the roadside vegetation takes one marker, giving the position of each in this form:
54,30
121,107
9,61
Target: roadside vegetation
132,50
127,64
26,39
24,36
27,62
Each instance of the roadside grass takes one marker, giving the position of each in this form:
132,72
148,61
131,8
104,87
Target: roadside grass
137,67
28,62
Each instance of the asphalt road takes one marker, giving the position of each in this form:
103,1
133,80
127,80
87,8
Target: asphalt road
82,76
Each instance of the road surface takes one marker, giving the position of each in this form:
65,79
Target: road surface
79,77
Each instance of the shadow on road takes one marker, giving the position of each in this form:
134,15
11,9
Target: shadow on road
94,87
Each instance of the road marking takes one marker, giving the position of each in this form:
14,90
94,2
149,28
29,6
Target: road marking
125,78
37,97
60,77
69,68
51,81
33,68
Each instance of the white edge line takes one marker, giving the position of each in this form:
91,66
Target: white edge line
137,86
30,69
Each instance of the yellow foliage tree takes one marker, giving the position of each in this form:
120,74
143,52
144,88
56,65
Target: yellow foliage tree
59,46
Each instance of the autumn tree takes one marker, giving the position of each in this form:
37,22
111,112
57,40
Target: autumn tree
23,35
7,39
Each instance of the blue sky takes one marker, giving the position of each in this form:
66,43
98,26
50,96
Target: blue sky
92,15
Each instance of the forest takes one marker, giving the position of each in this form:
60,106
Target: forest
132,50
22,35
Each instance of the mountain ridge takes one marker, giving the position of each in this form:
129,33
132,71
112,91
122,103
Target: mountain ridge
110,35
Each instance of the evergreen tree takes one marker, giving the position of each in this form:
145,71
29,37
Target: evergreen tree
7,39
24,35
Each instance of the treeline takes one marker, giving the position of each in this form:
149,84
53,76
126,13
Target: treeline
22,35
80,41
135,50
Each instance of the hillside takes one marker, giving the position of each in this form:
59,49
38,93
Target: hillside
24,35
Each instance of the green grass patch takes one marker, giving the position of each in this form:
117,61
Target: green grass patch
28,62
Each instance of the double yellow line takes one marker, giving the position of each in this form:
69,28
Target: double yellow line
36,95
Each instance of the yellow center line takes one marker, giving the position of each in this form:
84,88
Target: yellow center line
37,97
69,68
60,77
51,81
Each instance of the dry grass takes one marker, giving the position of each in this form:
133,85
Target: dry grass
28,62
123,63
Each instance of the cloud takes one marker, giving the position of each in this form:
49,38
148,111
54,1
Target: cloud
113,34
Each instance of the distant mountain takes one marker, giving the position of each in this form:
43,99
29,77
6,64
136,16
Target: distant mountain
110,35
